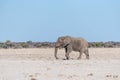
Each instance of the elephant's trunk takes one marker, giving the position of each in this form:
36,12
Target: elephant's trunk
56,49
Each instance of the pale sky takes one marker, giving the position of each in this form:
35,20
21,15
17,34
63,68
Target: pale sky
45,20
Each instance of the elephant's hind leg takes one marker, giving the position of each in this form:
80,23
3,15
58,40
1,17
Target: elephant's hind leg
87,54
80,55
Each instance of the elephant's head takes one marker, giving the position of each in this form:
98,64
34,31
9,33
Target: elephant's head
62,42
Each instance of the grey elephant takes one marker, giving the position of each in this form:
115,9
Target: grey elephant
72,44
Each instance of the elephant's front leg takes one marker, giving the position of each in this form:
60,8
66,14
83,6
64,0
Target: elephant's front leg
68,50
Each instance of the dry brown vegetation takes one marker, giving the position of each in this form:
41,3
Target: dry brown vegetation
30,44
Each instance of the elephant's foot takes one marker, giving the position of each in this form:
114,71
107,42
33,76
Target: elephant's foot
78,58
87,57
65,58
57,58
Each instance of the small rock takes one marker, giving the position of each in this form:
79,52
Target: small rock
48,69
115,76
34,76
109,75
33,79
90,74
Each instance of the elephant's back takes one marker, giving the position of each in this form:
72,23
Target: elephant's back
81,42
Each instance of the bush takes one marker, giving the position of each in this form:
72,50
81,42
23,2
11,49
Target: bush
37,45
5,46
24,45
29,42
99,44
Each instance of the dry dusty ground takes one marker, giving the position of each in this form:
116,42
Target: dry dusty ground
40,64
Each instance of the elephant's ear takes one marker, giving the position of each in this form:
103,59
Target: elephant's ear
66,41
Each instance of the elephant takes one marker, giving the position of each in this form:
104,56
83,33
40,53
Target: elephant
72,44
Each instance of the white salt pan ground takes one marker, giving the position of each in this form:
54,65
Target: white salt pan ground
40,64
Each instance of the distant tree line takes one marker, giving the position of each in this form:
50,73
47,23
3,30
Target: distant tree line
29,44
110,44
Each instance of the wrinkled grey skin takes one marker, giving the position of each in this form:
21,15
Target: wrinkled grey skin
72,44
